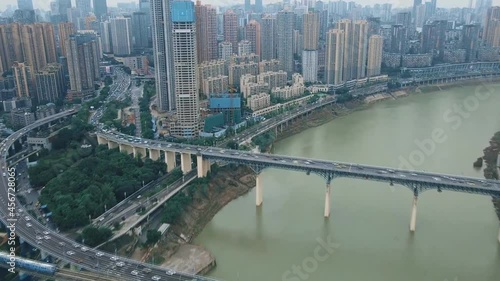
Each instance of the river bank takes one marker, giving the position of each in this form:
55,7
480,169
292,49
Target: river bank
490,157
226,184
198,215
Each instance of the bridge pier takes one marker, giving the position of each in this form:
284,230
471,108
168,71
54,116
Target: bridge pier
185,163
203,166
327,200
112,145
126,148
101,140
44,255
154,154
258,190
498,236
170,160
139,150
413,219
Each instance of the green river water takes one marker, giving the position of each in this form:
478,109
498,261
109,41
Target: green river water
367,235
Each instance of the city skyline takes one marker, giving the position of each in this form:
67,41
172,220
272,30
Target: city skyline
45,4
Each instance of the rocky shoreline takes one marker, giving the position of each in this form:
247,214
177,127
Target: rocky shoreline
177,250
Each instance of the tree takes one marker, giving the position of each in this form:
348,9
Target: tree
232,144
94,236
153,236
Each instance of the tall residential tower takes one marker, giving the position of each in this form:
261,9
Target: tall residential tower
162,46
185,58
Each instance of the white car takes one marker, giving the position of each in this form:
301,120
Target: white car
114,258
46,237
70,253
26,218
156,278
134,272
120,264
46,232
29,225
170,272
99,254
84,249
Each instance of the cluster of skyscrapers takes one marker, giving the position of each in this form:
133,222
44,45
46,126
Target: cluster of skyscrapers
197,48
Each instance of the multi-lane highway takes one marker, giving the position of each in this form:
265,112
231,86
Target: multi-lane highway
117,91
57,245
419,180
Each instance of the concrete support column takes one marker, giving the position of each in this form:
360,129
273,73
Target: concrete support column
185,163
207,166
327,200
43,255
112,145
139,150
121,147
200,166
170,160
101,140
498,236
413,219
258,190
154,154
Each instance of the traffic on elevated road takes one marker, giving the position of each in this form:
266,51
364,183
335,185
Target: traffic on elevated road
415,180
59,246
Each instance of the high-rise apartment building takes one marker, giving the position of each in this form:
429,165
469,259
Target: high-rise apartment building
434,37
65,30
106,42
231,29
225,50
470,41
334,64
23,74
206,28
310,38
163,60
355,48
145,7
310,31
375,44
140,27
491,35
416,4
285,24
10,45
404,18
100,8
244,48
84,7
360,48
83,62
268,37
63,6
38,44
185,61
481,10
253,34
49,83
25,4
121,36
398,39
346,26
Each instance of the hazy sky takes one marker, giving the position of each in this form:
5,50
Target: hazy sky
44,4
